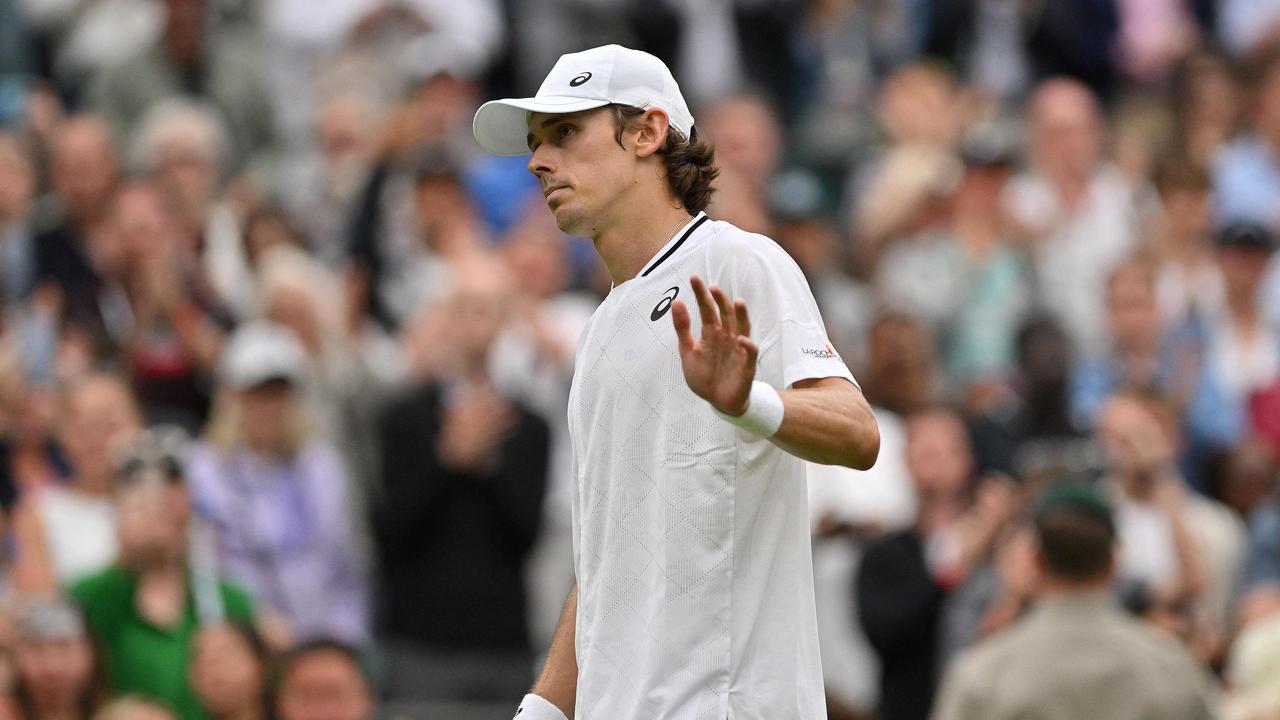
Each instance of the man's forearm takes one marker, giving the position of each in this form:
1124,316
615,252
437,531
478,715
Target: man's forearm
828,421
558,682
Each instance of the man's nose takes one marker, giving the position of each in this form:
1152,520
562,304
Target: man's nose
540,161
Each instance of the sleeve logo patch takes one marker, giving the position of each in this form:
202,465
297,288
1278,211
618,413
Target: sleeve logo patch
825,352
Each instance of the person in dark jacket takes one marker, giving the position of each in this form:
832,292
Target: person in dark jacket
464,471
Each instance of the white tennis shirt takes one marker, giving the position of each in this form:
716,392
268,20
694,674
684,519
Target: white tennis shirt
691,538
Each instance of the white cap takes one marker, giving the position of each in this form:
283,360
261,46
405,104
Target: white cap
593,78
260,352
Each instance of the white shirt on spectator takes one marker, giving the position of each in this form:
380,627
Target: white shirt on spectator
79,530
1081,247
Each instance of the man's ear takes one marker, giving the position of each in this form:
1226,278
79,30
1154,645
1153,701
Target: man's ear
654,126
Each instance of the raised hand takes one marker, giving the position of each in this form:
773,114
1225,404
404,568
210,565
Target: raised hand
721,365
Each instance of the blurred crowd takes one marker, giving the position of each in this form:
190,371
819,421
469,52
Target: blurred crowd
284,358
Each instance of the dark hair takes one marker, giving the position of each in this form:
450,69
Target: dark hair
1178,173
690,162
290,660
1075,543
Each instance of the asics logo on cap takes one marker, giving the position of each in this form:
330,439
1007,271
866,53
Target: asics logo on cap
581,78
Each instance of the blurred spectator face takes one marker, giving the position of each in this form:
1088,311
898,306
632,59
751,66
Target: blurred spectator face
17,180
1248,477
226,673
144,223
269,416
918,104
1186,204
479,305
981,191
151,517
324,685
98,415
1243,267
938,453
188,169
56,672
83,165
1133,437
900,364
133,707
536,253
340,130
1066,129
294,308
746,137
437,199
810,242
1131,309
265,231
1044,355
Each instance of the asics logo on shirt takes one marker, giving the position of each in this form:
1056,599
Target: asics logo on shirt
664,304
581,78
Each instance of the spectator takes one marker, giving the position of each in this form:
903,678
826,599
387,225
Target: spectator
748,145
278,496
905,577
1189,284
1244,350
1181,555
66,531
463,465
190,59
1142,357
58,674
1074,208
172,333
146,611
322,680
1025,430
1207,97
229,672
74,250
1075,655
1246,173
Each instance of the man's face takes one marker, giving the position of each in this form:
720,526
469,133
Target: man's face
324,686
1132,312
581,166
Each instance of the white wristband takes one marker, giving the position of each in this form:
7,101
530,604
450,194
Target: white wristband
764,411
536,707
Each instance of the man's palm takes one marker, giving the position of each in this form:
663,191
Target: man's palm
720,365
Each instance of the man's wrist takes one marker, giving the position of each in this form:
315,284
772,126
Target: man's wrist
763,415
536,707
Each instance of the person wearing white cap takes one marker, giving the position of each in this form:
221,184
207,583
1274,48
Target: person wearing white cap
694,593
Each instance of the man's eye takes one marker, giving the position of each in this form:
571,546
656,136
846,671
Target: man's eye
564,131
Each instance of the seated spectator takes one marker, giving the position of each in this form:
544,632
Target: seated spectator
146,611
1141,357
1074,209
1246,173
1244,350
64,531
58,675
906,576
229,672
1180,554
464,475
278,496
1075,655
322,680
1189,283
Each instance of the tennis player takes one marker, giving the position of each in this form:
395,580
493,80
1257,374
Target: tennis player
694,594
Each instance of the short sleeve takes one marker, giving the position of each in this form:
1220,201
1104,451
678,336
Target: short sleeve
784,315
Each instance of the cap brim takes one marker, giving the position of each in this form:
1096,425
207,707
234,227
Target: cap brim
502,126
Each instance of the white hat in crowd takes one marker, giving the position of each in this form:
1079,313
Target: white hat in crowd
261,352
593,78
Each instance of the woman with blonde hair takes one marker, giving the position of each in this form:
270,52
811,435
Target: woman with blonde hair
277,494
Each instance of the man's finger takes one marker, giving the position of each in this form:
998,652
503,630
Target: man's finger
753,352
680,319
727,318
744,320
706,306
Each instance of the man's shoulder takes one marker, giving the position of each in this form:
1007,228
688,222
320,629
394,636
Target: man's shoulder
725,239
102,587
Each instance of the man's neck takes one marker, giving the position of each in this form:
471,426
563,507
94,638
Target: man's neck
631,239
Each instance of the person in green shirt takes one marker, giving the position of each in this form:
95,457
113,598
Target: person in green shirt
146,611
